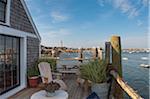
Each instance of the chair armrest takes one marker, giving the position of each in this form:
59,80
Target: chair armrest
45,78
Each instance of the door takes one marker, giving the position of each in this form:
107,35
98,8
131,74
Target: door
9,63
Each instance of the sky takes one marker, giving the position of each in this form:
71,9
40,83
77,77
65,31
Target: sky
90,23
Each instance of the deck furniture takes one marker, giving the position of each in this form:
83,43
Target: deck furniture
74,91
46,74
66,69
60,94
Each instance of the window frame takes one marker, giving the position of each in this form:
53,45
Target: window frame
5,8
7,14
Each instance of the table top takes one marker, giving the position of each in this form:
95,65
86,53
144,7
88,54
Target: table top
59,94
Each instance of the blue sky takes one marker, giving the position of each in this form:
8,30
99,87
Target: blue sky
89,23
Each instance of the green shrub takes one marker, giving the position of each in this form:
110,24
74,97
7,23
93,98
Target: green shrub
32,71
94,71
52,62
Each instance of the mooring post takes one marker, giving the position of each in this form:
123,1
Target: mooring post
107,52
81,55
100,53
95,52
116,63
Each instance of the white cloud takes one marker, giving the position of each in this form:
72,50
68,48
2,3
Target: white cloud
101,2
53,37
145,2
126,6
58,16
58,33
139,23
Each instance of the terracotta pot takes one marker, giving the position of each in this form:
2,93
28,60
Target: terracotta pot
33,81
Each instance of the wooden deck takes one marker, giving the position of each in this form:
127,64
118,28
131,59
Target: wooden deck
74,91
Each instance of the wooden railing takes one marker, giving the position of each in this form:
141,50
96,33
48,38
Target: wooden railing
113,59
133,94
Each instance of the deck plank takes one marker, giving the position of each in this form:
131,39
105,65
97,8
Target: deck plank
74,91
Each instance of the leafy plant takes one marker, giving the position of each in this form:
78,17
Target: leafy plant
52,62
51,87
94,71
32,71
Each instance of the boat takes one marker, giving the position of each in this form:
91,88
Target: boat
131,52
124,58
144,58
145,66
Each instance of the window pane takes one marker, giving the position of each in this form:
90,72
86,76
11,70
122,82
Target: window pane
15,61
2,11
9,62
1,63
15,45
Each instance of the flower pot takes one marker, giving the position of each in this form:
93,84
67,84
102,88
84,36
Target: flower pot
33,81
101,89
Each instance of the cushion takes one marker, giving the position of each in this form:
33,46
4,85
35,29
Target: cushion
93,95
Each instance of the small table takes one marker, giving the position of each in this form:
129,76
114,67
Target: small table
60,94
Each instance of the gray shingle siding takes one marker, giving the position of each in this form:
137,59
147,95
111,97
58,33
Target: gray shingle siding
18,17
20,21
32,50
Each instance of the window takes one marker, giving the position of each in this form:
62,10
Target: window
3,5
9,63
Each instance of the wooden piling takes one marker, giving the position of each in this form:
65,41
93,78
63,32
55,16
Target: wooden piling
100,53
116,63
95,53
81,55
107,52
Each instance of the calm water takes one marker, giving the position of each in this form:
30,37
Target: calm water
135,75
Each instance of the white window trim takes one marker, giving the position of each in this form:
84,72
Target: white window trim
13,32
7,14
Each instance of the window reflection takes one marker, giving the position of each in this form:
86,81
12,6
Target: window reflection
9,62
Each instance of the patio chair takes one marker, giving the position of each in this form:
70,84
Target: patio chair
45,72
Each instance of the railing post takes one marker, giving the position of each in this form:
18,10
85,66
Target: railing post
107,52
116,63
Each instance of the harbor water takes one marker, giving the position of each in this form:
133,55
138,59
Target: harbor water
133,73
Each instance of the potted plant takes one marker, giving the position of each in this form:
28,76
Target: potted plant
95,71
33,77
50,88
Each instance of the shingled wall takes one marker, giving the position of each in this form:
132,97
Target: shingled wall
18,17
32,50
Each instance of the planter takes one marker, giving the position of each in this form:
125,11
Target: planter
101,90
33,81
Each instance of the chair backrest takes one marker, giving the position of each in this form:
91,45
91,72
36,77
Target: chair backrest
45,71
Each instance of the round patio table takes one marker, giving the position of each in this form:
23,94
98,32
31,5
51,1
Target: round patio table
60,94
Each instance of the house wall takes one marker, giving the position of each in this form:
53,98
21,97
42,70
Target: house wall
20,21
32,50
20,26
18,17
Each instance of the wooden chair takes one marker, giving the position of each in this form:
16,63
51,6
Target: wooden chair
46,74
